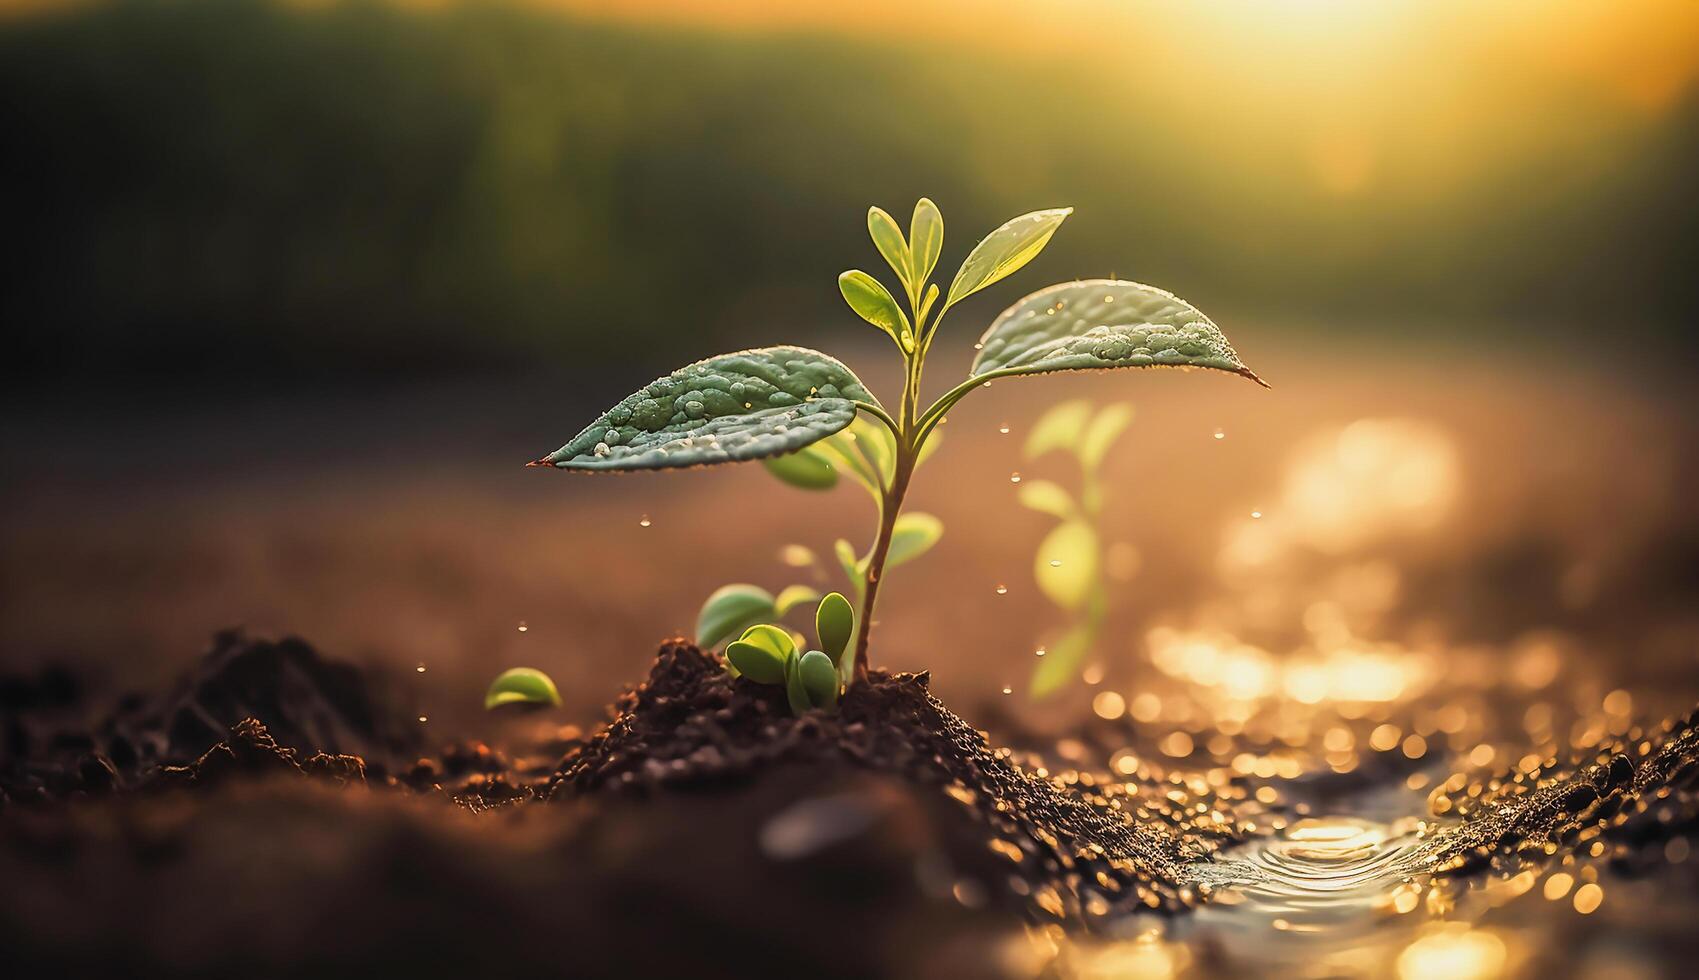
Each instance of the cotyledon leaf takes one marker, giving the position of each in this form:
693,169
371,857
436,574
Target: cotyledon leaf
521,685
1103,323
726,409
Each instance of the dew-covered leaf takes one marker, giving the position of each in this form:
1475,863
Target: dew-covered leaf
834,624
1105,428
730,610
726,409
913,535
1046,498
805,469
819,678
793,596
1066,564
1060,427
1004,251
1103,323
521,685
926,241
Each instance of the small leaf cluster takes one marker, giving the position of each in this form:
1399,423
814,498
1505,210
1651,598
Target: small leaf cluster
768,654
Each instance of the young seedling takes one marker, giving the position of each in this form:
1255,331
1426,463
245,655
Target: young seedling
767,654
1068,565
774,401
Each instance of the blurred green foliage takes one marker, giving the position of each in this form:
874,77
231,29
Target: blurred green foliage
235,184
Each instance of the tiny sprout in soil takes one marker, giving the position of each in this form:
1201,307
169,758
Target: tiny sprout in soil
521,685
809,416
767,654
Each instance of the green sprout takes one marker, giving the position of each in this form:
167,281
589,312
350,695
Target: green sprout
775,401
1068,564
767,654
521,685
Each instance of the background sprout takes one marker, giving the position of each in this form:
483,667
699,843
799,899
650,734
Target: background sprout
521,685
774,401
1068,565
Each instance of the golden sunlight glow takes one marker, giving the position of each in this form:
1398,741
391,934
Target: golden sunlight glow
1455,953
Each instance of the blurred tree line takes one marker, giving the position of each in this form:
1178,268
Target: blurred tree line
204,186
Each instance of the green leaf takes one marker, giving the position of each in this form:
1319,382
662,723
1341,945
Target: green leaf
928,447
876,445
1111,421
926,303
819,678
888,239
726,409
1062,660
521,685
805,469
730,609
926,241
847,559
1066,564
762,653
913,535
795,691
1004,251
871,301
1046,498
755,662
1103,323
791,597
834,623
1061,427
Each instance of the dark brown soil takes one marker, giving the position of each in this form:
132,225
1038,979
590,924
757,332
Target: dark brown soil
692,724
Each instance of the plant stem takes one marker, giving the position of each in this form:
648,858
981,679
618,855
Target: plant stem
881,548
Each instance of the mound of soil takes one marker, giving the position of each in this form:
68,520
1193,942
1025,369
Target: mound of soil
692,724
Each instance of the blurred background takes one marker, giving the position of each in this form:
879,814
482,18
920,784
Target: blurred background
296,286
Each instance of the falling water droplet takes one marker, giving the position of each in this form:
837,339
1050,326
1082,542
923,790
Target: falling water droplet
1220,434
1003,429
1014,477
423,719
1256,515
1002,589
522,626
1055,563
1039,652
978,346
420,668
643,521
1008,690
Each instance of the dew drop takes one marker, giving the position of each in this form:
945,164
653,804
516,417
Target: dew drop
978,346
